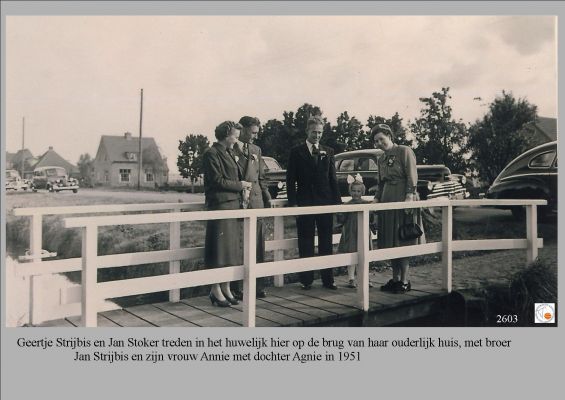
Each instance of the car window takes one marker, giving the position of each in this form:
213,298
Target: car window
366,164
543,160
347,165
555,164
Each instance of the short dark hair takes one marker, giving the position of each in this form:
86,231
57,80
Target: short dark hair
382,128
223,130
314,120
248,121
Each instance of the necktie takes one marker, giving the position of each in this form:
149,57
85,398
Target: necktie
246,150
315,153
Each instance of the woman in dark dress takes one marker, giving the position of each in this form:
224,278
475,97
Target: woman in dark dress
398,178
223,186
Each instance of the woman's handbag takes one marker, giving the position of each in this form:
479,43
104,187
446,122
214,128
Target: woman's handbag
409,231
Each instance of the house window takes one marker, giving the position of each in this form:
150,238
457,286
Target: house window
149,175
131,156
124,175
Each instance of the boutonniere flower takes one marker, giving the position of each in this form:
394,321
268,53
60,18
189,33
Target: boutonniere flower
323,153
236,158
254,157
390,160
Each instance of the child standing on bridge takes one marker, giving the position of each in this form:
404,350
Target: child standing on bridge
348,241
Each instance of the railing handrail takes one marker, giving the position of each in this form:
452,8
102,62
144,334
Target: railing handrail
77,222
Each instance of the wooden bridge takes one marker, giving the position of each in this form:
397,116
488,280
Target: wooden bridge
285,306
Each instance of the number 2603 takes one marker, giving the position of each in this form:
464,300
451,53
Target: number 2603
506,319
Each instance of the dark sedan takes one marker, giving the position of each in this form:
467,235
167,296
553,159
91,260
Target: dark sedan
434,181
532,175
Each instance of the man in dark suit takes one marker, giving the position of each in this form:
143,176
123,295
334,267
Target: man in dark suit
311,181
250,161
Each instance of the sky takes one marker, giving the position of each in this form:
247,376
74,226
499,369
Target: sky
75,78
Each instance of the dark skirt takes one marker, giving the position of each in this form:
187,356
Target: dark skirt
223,246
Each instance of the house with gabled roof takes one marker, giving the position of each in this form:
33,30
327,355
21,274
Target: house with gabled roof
541,130
116,162
52,159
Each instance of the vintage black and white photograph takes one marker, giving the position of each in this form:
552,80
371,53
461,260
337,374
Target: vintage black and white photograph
281,171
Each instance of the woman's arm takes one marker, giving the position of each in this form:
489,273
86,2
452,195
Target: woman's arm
214,176
411,173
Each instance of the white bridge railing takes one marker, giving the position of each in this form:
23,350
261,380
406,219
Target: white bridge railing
94,293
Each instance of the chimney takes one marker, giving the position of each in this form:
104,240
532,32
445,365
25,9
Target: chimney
127,135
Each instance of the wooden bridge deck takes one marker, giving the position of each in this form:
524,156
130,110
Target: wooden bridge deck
284,306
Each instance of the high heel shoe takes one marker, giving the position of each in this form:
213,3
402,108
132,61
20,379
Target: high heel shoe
219,303
231,299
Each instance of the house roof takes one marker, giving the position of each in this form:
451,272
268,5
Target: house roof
51,159
17,157
117,146
547,126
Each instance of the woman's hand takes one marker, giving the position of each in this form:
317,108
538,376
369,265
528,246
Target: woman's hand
409,197
246,185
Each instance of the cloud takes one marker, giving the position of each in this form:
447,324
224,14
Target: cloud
526,34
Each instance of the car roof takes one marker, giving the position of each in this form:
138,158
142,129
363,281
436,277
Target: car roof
49,167
517,162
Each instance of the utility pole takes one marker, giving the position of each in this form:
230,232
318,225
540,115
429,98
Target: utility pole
139,158
23,144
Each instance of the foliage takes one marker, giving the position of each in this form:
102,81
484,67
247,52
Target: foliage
346,135
153,159
395,122
189,162
86,169
277,137
440,139
496,139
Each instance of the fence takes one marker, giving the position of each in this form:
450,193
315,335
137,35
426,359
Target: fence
93,293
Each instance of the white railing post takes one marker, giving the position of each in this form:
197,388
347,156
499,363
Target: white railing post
278,234
89,275
532,232
35,246
174,244
447,246
249,262
363,237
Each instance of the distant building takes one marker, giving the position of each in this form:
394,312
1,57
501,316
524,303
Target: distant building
116,162
14,161
540,131
52,159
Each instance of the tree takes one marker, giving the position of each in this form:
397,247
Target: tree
85,166
441,140
276,138
189,162
496,139
347,135
395,123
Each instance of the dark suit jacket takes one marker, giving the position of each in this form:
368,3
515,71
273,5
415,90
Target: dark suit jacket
252,171
222,176
309,183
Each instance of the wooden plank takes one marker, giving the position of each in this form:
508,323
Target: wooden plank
157,316
492,244
90,297
297,315
404,251
315,314
103,322
126,319
106,208
57,323
447,248
305,264
336,309
209,318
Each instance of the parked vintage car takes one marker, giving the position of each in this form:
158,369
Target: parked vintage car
532,175
275,176
434,181
14,181
54,179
